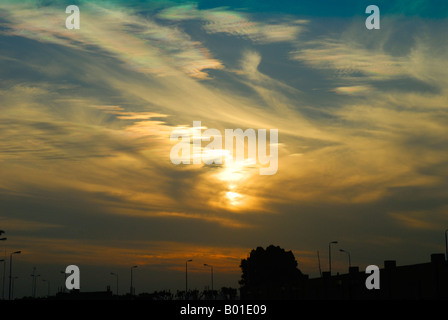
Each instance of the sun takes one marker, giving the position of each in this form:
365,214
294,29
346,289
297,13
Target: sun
234,198
233,174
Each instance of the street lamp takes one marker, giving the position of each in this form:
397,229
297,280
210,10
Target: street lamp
3,278
211,267
4,268
12,293
329,253
446,245
116,275
349,261
10,271
186,277
132,289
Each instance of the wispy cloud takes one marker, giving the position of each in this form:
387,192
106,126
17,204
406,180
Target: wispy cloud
351,61
138,41
355,58
222,20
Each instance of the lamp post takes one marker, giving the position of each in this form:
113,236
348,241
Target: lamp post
3,278
116,275
349,261
132,288
4,267
10,271
446,245
12,293
186,277
329,253
211,268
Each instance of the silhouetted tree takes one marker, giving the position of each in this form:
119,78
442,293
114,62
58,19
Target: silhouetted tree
160,295
190,295
194,294
180,295
270,273
208,294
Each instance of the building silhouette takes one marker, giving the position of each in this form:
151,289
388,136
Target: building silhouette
425,281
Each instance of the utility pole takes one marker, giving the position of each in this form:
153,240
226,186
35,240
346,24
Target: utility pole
34,283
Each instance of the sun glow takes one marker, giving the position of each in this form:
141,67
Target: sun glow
234,198
233,174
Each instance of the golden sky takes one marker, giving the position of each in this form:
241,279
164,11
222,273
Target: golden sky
86,117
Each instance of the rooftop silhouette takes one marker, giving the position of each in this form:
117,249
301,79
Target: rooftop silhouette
272,274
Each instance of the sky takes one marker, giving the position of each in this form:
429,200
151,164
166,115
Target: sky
86,117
